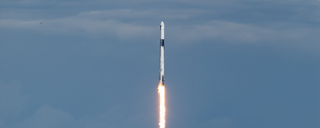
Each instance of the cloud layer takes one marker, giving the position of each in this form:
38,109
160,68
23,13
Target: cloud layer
188,24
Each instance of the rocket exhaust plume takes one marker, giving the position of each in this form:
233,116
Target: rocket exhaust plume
162,113
161,88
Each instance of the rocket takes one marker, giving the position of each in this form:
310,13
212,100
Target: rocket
161,77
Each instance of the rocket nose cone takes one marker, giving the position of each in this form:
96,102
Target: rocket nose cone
161,23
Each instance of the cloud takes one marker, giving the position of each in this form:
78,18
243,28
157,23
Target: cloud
116,116
184,25
211,30
87,27
48,117
293,24
12,102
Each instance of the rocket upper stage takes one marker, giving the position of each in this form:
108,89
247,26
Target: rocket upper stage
161,77
162,30
161,33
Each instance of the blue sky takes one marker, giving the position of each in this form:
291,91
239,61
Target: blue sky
228,64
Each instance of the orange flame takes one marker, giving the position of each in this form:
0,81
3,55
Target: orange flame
162,120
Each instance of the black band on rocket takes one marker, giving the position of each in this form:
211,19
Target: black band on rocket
162,42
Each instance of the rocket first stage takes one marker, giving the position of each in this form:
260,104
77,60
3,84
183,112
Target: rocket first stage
161,78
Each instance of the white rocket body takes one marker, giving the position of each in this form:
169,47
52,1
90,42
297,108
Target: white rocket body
161,79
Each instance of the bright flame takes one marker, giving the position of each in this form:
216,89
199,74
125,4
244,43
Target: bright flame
162,120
